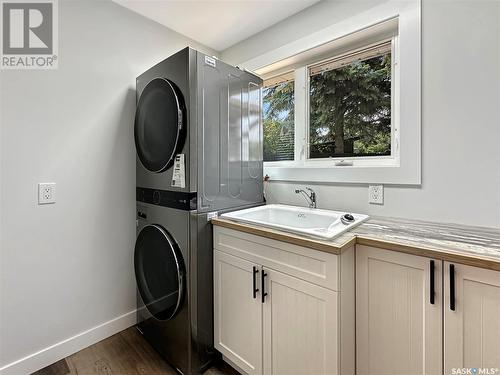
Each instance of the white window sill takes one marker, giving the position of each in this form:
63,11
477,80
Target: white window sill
356,162
360,174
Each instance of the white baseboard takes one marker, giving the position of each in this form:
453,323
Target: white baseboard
62,349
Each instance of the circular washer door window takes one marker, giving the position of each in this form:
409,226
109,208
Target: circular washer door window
159,124
159,271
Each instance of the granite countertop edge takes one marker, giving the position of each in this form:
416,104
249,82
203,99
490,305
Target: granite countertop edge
470,245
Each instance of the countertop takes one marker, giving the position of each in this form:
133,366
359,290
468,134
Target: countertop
475,246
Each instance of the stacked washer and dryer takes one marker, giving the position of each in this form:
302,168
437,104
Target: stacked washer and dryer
198,135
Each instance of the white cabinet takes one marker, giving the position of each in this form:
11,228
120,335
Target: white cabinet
300,327
298,322
472,325
237,315
398,326
282,309
400,331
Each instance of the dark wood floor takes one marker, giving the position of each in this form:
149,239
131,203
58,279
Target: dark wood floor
126,353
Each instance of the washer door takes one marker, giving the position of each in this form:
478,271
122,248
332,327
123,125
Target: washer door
159,124
159,271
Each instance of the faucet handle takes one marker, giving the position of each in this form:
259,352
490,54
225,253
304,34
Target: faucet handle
311,190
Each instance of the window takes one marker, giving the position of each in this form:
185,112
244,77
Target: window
344,105
350,105
347,102
278,111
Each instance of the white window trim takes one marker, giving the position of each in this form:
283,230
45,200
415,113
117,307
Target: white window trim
404,164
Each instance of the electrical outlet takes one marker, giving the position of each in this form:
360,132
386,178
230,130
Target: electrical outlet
376,194
46,193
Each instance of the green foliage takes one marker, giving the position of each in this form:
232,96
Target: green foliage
350,112
278,103
350,109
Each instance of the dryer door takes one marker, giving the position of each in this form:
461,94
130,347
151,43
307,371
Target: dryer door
159,271
159,124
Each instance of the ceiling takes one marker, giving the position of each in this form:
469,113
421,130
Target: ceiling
218,24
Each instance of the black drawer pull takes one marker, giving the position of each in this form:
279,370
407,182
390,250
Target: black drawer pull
432,282
452,287
254,288
264,294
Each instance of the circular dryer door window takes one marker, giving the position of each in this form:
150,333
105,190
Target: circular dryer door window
159,124
159,271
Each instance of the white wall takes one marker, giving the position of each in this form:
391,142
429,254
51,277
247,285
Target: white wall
460,120
67,268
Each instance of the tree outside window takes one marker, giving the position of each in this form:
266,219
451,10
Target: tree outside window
350,109
279,126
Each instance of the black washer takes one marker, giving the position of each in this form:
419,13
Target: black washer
160,272
159,128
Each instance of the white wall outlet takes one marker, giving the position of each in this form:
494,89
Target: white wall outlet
376,194
46,193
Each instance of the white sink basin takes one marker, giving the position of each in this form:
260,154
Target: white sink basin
301,220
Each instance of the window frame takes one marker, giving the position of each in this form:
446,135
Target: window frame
400,19
302,123
382,160
272,77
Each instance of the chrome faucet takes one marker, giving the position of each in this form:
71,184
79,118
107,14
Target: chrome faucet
311,197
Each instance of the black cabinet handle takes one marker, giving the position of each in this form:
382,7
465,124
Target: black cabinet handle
452,287
432,282
264,294
254,288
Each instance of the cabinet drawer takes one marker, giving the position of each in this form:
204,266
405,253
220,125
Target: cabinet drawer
314,266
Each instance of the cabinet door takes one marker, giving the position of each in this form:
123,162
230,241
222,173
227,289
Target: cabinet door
300,327
472,329
398,330
237,315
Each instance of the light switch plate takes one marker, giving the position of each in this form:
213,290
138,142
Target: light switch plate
46,193
376,194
